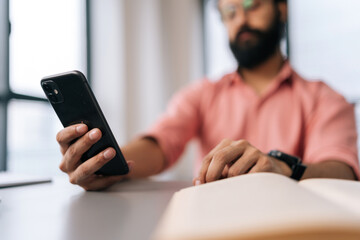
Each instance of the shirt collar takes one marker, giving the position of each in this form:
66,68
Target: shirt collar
284,75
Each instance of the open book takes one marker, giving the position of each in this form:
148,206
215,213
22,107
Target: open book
264,206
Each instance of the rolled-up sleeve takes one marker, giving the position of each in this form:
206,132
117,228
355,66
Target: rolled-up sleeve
179,123
331,131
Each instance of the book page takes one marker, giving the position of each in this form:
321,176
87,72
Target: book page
342,192
250,206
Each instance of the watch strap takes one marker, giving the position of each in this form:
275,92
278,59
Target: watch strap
298,171
293,162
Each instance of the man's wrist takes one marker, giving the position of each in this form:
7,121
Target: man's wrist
294,163
284,169
330,169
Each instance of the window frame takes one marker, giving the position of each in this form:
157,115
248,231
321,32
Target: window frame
6,94
4,79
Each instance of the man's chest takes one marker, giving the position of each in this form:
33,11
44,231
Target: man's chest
277,121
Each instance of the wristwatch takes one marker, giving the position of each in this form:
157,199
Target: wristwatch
293,162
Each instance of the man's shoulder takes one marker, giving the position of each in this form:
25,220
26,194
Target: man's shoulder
314,88
220,83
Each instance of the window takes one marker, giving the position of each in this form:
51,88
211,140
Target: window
324,42
47,37
218,57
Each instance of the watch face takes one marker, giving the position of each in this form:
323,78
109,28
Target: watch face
288,159
275,153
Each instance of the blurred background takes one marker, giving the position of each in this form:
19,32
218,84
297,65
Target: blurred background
136,54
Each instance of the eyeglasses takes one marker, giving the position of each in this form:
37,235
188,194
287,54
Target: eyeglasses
229,11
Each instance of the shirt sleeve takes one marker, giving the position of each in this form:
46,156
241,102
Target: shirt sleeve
179,123
331,131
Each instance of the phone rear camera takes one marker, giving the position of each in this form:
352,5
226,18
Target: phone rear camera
52,91
52,98
46,87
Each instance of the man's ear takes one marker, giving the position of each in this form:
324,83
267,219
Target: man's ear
282,6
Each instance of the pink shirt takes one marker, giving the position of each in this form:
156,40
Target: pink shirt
298,117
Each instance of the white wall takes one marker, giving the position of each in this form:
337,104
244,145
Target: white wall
324,37
142,52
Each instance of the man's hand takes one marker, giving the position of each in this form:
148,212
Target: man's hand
232,158
83,174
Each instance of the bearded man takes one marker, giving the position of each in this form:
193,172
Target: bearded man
264,117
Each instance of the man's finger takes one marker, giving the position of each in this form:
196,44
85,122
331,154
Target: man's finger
88,168
196,181
224,173
263,165
247,160
69,134
207,160
223,157
101,182
73,154
96,182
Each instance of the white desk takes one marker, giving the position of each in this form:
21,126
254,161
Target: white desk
59,210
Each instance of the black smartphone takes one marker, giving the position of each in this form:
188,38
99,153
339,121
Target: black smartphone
74,102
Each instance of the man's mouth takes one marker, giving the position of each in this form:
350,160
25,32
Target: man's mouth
243,36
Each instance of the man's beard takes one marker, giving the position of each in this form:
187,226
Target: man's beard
250,55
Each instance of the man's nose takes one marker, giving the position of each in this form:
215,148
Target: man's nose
241,18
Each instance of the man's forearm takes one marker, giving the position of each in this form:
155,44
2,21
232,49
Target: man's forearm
329,169
147,156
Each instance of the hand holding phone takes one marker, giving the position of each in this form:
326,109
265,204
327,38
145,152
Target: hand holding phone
82,173
76,106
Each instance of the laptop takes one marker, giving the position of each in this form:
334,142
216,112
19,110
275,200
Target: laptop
8,179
